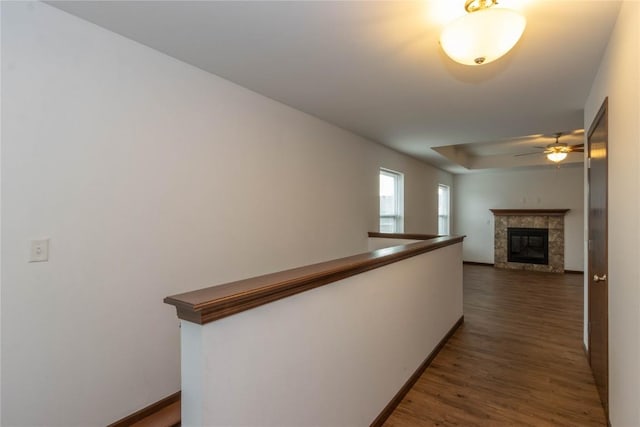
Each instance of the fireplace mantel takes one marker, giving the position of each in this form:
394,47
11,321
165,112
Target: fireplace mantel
529,212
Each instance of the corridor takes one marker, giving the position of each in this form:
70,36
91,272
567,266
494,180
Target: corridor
518,358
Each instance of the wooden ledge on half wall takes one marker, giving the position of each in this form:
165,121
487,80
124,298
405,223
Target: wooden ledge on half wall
213,303
408,236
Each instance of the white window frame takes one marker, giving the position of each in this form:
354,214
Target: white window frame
444,210
398,216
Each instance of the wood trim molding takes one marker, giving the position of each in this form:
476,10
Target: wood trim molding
530,212
586,351
213,303
148,411
391,406
484,264
409,236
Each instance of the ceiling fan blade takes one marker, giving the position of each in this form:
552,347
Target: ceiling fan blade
578,148
526,154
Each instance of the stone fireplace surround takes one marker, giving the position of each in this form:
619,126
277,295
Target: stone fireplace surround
552,219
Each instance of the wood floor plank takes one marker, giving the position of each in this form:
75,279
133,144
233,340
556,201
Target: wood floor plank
517,359
166,417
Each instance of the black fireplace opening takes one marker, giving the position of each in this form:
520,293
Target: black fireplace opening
528,245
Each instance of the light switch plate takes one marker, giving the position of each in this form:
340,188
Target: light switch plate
39,250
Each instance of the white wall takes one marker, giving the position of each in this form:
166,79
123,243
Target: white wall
383,242
1,186
152,177
352,346
617,79
550,188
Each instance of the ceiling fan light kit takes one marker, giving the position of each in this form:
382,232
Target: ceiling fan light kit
484,34
557,151
556,156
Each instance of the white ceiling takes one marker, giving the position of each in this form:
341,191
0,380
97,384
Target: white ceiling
376,68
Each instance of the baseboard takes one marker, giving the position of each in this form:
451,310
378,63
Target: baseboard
145,412
486,264
391,406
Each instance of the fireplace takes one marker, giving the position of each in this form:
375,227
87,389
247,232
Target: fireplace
532,251
528,245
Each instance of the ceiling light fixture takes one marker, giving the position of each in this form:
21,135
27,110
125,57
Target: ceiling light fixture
557,156
558,151
484,34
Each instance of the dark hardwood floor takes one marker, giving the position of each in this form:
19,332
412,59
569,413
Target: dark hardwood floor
168,416
517,360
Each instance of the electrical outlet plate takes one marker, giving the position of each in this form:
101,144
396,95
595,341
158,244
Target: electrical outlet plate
39,250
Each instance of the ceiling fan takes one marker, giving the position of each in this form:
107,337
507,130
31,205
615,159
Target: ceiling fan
557,151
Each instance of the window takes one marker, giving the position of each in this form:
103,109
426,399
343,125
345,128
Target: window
391,202
443,209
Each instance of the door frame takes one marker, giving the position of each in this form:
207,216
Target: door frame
602,114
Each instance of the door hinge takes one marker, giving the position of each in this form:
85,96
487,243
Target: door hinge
588,162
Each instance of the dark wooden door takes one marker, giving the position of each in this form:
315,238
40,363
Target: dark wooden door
598,264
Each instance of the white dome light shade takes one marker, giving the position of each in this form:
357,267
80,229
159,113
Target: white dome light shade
482,36
557,156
